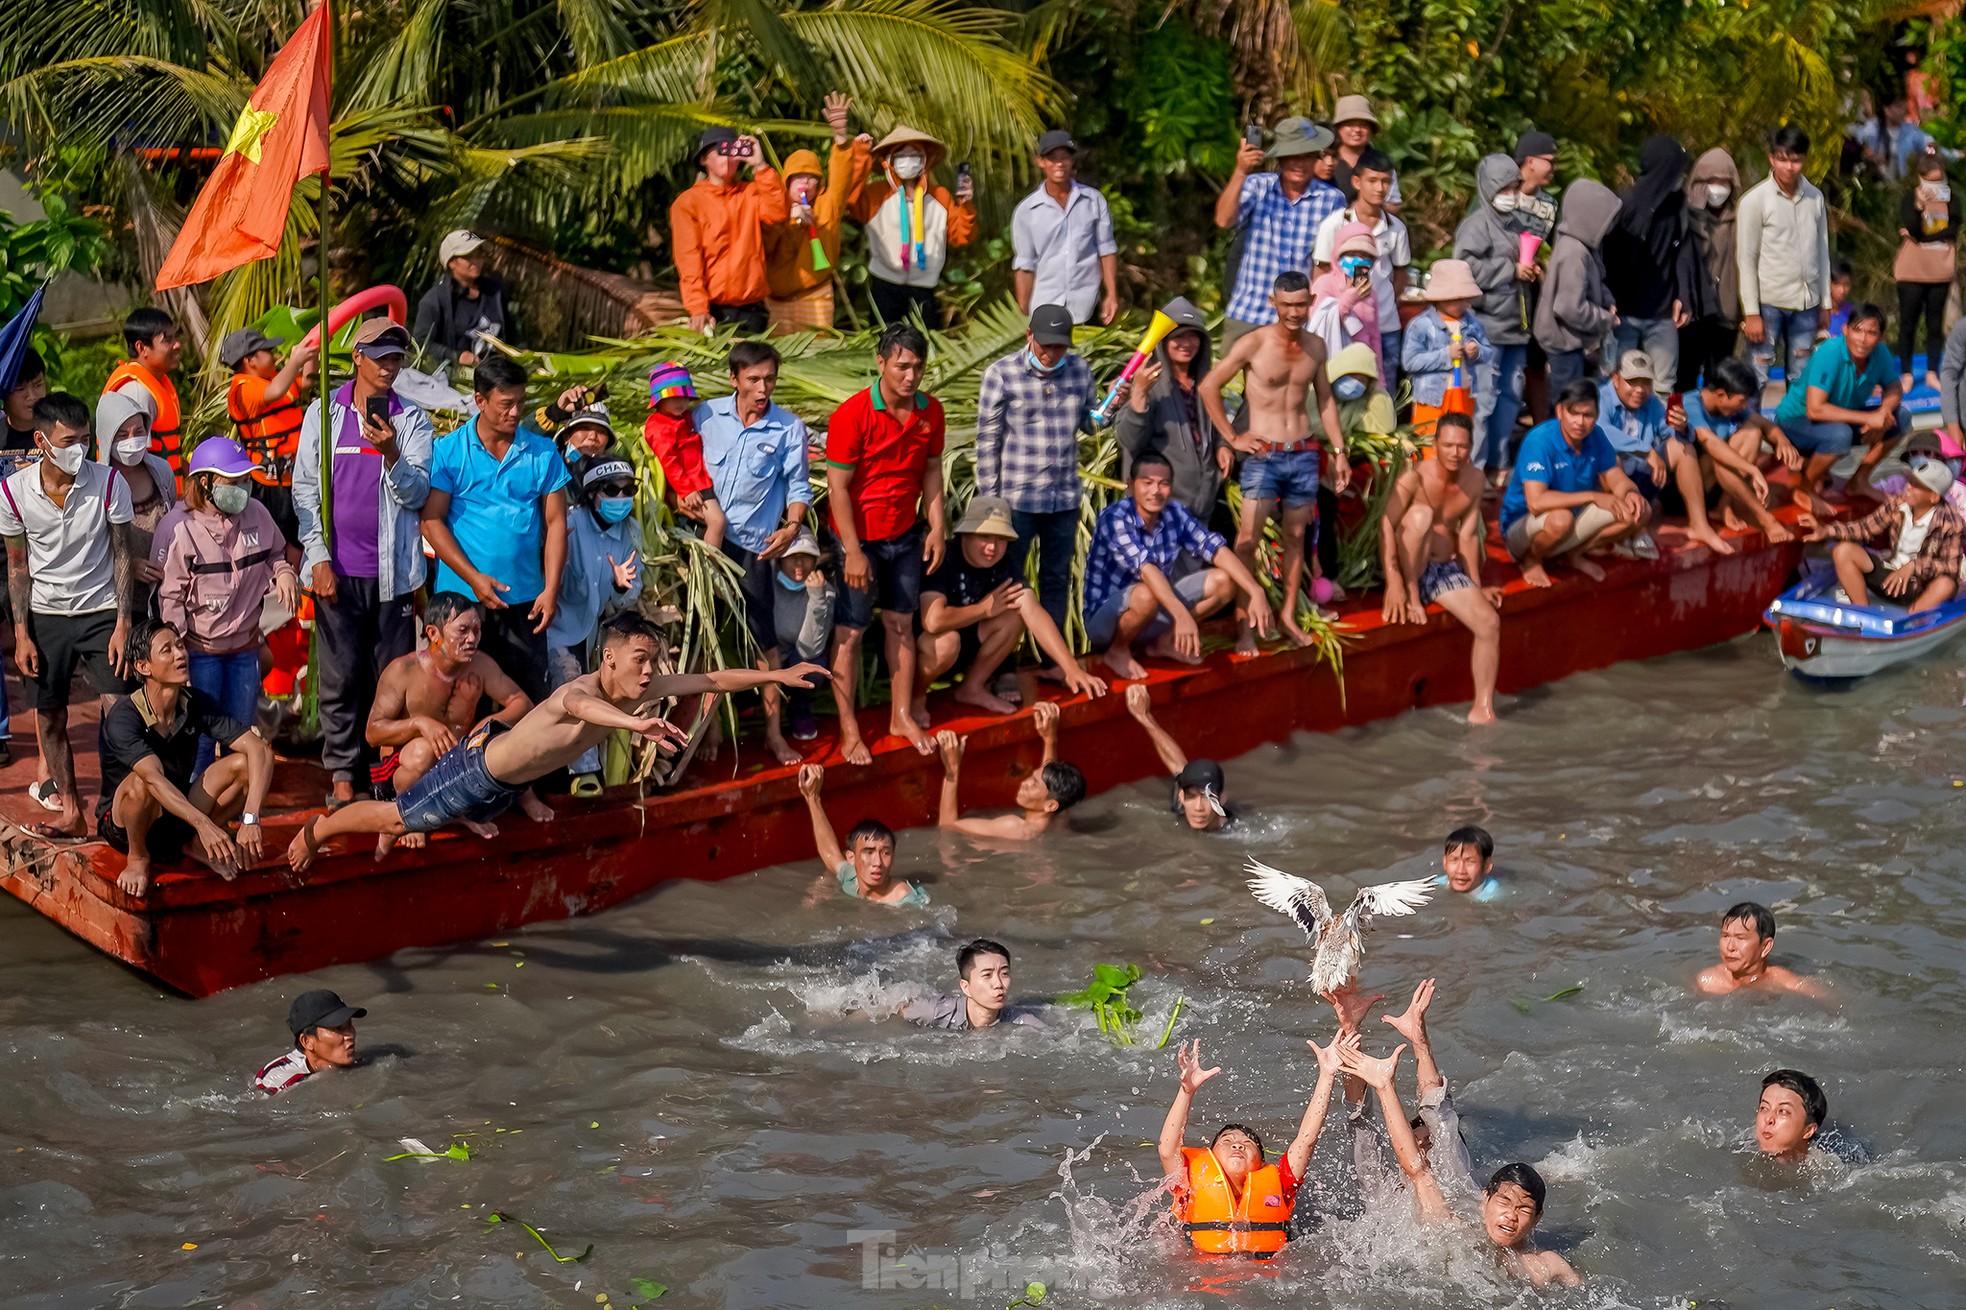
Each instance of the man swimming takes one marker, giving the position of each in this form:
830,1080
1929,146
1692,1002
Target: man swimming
864,867
1791,1113
1467,863
983,988
1046,792
1198,784
480,777
1747,935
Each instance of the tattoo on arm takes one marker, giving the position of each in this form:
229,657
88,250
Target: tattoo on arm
20,587
123,550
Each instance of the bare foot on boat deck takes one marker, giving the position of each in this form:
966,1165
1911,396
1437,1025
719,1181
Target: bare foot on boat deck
1123,665
902,724
781,750
1730,520
304,847
1775,530
1163,649
853,748
135,878
534,808
982,698
1296,635
1245,640
409,841
1536,575
485,830
1711,540
1587,566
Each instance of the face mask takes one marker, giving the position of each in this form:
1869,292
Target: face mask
1717,193
787,581
1040,365
228,499
68,458
1348,388
613,509
131,450
1939,191
1506,202
908,167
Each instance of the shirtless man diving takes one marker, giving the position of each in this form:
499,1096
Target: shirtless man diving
427,699
479,778
1282,365
1430,541
1747,935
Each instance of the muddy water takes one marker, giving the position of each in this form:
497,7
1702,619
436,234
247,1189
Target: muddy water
687,1084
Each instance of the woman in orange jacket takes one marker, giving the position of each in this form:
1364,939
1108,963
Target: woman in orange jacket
801,251
911,225
717,227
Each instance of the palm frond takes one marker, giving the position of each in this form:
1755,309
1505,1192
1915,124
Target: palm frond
404,68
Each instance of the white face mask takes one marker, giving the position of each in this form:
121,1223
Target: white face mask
68,458
131,450
908,167
1506,202
1717,193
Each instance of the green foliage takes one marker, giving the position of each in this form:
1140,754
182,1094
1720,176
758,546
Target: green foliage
1106,997
32,253
1180,105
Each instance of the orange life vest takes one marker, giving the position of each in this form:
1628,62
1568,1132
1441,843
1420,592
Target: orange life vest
1256,1226
167,430
271,435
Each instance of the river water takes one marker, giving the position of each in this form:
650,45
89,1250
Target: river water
683,1083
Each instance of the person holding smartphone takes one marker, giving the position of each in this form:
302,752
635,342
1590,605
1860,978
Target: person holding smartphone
357,493
719,227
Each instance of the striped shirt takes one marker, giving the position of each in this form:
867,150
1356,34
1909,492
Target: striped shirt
287,1071
1122,544
1278,234
1027,431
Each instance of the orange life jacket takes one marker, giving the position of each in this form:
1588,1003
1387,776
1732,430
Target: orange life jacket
271,435
167,430
1256,1225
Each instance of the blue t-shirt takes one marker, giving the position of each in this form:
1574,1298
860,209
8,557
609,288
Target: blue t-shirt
1547,458
1631,431
495,509
1487,889
1842,383
1698,417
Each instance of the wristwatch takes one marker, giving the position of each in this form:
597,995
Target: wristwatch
249,820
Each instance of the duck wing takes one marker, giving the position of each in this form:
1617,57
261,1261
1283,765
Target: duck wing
1391,898
1340,954
1288,894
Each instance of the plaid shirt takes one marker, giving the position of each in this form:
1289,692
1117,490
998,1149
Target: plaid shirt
1938,556
1278,234
1027,432
1122,544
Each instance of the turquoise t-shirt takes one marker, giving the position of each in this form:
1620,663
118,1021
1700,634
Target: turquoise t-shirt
1842,383
1488,889
915,899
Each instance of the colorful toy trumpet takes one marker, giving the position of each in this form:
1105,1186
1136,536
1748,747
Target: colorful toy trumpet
1156,333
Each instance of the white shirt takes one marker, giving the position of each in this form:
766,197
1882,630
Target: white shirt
1395,251
1062,245
1911,538
68,552
1781,246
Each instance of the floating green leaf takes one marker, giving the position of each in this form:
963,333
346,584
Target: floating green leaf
500,1217
646,1290
1568,991
457,1151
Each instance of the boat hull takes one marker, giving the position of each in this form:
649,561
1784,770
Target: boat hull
1825,639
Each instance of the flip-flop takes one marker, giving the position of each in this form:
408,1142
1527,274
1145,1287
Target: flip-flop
44,794
49,833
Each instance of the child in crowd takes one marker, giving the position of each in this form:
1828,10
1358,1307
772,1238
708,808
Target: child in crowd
1921,570
1468,864
1839,296
865,868
673,440
802,612
1442,345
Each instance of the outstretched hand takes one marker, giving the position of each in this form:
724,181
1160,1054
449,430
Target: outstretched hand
1351,1005
1330,1059
1377,1072
1188,1054
1413,1024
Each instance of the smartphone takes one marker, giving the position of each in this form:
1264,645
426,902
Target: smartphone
744,150
378,410
962,170
727,148
1253,135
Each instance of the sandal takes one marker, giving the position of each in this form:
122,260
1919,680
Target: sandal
586,786
49,833
45,795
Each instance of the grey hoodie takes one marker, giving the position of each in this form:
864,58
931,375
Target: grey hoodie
1574,311
1166,426
1491,244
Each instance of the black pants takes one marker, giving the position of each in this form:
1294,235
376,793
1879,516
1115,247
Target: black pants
1929,299
752,317
516,648
1325,529
359,634
895,303
1703,343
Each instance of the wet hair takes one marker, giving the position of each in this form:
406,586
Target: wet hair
143,635
750,354
31,367
1290,280
875,830
1147,457
497,372
1749,912
58,409
1471,836
1064,783
895,336
1731,376
1815,1106
627,626
1523,1176
447,605
1789,139
966,958
1581,392
1244,1129
1454,419
1864,311
1374,160
144,325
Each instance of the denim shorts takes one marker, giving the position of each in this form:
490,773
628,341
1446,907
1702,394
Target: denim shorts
1288,476
458,787
1813,438
1441,576
1102,623
894,580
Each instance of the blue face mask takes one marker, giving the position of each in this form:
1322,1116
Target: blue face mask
613,509
1348,388
1040,365
787,581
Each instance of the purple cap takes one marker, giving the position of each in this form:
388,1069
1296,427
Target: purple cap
221,455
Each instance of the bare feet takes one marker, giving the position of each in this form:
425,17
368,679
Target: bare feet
1711,540
1298,637
1732,521
1481,713
66,828
384,844
1775,530
302,850
902,724
413,841
135,878
1535,575
1587,566
484,830
1163,649
981,697
1245,640
781,750
534,808
853,749
1120,660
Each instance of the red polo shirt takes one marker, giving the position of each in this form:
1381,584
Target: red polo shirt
888,457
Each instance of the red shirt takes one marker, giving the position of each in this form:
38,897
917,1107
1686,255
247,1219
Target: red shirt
888,457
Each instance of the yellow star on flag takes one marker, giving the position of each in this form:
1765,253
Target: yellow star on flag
252,125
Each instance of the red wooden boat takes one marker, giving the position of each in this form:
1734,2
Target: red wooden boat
200,934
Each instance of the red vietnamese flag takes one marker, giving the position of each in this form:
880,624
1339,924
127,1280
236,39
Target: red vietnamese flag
281,137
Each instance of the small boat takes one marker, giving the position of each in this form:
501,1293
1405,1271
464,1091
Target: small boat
1821,635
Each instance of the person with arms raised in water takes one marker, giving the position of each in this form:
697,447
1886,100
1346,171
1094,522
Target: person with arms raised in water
1282,367
864,868
1431,542
480,777
1437,1124
1747,935
1046,792
1198,784
1228,1200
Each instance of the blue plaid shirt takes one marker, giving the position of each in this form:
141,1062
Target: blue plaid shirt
1027,432
1277,236
1122,543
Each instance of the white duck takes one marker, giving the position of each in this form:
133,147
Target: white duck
1336,937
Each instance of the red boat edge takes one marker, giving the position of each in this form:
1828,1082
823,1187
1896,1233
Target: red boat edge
200,934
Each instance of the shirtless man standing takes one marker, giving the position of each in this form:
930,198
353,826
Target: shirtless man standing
1747,935
1434,554
1281,365
478,779
427,699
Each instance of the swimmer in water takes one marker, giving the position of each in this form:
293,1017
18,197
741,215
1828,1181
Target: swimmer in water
1437,1122
1747,935
864,870
1228,1200
1511,1204
1046,792
1198,784
983,982
1790,1115
1467,863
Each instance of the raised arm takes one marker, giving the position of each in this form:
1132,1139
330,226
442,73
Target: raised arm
824,839
1044,716
1140,704
730,680
1412,1025
1378,1075
1175,1128
1301,1146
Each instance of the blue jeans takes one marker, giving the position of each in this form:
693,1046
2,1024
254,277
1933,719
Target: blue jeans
1056,535
232,681
1658,338
1813,438
1566,366
459,786
1498,402
1792,333
1389,352
1101,625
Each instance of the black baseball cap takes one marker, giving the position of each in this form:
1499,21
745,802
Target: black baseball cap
1057,139
713,137
1051,325
1533,143
1200,774
322,1009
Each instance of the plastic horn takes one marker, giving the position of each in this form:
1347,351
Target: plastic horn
1528,244
1156,333
819,261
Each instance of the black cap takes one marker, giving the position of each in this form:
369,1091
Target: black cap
1532,143
1051,325
322,1009
1057,139
713,137
1200,774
